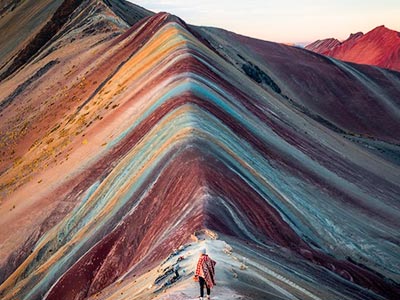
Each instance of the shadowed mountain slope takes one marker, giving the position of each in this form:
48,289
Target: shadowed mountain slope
42,20
379,47
129,12
20,21
118,143
347,98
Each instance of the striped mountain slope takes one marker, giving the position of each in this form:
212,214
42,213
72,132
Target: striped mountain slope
118,143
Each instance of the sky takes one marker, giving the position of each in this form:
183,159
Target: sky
285,21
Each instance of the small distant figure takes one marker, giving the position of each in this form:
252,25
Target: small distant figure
205,273
176,268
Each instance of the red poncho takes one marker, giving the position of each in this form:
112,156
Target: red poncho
205,269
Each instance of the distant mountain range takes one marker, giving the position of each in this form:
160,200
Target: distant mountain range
379,47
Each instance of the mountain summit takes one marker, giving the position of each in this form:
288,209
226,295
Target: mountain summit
131,140
379,47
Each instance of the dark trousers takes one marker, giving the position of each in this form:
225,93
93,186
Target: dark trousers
202,284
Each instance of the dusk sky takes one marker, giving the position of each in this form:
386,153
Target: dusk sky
288,21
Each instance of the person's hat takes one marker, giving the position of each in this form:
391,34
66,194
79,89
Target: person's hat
203,251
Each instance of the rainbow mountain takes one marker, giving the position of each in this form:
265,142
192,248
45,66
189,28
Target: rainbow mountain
126,135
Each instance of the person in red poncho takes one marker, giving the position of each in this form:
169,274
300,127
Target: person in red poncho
205,273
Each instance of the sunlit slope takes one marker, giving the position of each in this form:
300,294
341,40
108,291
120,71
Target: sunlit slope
378,47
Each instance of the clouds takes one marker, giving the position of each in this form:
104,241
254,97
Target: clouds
284,20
